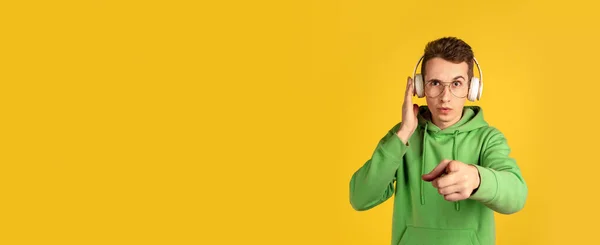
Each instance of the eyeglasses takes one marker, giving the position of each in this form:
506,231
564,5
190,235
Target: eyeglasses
457,88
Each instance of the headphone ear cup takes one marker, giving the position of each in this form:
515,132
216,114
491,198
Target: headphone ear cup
480,90
474,89
418,86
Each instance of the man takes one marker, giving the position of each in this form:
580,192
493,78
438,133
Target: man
449,170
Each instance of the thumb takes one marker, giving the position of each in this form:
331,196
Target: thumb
437,171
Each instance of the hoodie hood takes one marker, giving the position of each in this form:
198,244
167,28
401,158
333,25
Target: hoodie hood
471,119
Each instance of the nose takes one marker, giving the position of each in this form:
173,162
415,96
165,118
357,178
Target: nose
445,96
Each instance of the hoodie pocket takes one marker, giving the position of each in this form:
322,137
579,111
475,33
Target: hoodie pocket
434,236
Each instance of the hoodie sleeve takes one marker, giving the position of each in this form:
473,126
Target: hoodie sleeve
502,187
373,182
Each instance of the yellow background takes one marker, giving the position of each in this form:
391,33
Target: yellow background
197,122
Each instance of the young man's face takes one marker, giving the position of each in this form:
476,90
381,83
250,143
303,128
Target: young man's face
446,87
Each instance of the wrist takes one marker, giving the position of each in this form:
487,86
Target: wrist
404,135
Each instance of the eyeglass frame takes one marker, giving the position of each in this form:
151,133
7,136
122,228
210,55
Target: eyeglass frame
450,89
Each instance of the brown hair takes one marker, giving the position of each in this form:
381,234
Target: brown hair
451,49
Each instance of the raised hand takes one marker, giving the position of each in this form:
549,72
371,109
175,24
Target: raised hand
409,113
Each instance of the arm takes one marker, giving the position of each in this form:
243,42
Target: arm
373,183
502,187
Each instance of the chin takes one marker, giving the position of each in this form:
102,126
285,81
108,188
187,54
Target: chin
445,118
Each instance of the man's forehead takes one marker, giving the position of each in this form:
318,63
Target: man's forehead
442,69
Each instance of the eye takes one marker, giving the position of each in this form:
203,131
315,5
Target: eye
456,83
434,83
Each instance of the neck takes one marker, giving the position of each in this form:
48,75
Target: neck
445,125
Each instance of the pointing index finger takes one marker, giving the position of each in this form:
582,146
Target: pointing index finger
437,171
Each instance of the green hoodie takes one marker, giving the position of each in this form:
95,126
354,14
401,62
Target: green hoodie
421,215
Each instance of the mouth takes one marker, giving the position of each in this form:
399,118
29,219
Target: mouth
444,110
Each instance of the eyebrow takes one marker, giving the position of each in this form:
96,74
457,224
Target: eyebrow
454,79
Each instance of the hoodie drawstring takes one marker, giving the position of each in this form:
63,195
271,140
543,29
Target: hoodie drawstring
423,165
455,157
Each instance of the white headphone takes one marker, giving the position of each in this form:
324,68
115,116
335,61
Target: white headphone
475,89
